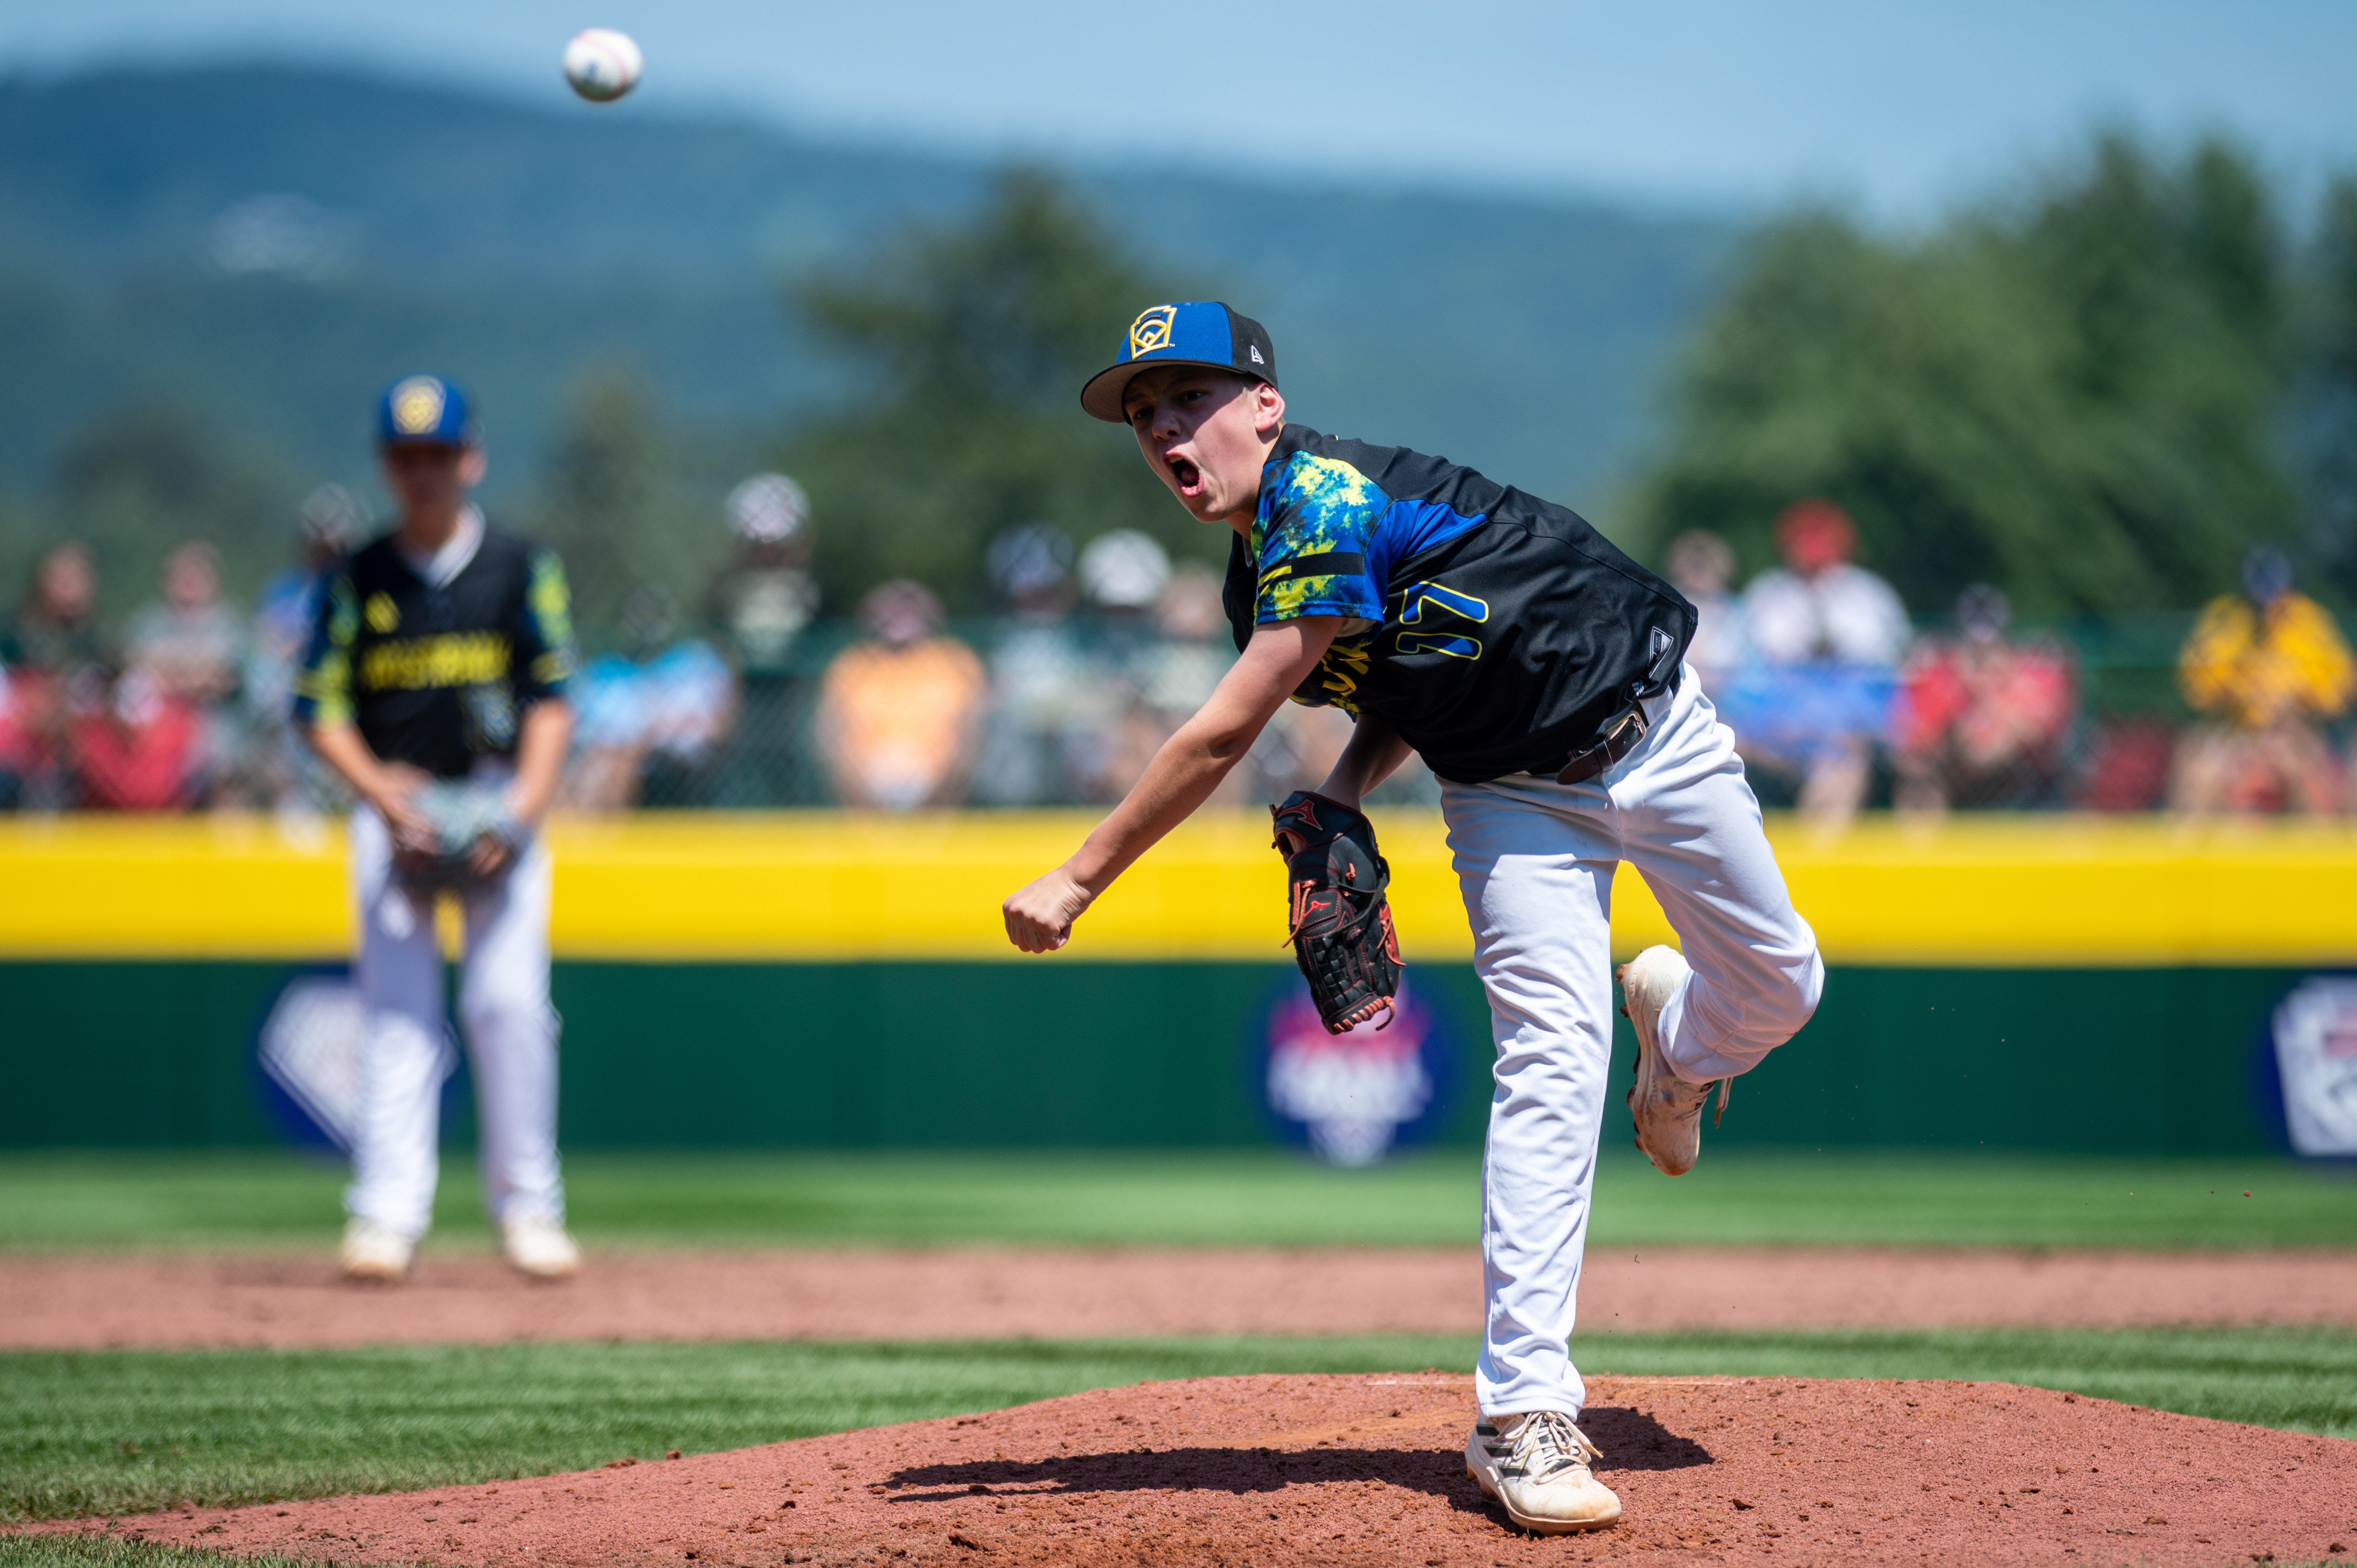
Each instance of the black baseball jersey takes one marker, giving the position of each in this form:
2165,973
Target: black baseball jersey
1500,631
436,677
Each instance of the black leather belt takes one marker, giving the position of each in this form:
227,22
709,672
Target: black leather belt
1617,738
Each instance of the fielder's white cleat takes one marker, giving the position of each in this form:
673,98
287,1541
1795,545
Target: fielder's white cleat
538,1246
1667,1108
375,1253
1536,1465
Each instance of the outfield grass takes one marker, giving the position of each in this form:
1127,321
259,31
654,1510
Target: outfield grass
72,1201
115,1431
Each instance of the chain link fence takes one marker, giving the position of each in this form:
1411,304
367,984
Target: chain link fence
986,712
1011,713
1066,709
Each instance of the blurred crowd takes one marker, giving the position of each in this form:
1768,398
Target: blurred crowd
187,705
750,700
1840,700
1835,697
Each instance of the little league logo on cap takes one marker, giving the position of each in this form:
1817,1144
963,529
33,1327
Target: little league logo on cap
1195,332
1151,330
423,408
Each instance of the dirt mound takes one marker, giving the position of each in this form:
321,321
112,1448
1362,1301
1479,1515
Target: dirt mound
291,1300
1368,1470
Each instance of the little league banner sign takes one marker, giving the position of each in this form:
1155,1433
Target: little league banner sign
1353,1098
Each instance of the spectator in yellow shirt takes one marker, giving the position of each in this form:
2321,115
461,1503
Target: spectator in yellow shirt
2271,667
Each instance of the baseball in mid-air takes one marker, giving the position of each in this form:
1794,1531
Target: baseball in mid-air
602,64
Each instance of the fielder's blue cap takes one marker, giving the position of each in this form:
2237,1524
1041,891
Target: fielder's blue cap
426,409
1196,332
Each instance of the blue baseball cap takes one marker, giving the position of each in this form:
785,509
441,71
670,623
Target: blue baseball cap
1197,332
426,409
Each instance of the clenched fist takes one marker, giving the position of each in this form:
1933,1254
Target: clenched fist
1039,917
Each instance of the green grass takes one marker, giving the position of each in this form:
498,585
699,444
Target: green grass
100,1434
50,1201
101,1552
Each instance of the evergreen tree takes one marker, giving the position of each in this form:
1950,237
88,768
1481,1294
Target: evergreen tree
606,503
971,342
2326,429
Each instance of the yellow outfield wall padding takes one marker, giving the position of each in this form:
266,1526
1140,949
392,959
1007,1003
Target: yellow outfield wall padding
1987,892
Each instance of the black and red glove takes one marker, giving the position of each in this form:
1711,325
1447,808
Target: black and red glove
1341,934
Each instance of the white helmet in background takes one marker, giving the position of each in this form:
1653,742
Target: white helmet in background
1123,570
767,509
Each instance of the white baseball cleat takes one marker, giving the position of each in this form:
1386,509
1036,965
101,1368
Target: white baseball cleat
375,1252
1668,1110
538,1246
1536,1465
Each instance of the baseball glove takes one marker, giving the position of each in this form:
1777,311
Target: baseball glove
462,814
1341,934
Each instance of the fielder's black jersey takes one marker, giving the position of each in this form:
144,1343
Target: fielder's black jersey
1498,630
436,677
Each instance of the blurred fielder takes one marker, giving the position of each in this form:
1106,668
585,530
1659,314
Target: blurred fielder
1540,674
435,686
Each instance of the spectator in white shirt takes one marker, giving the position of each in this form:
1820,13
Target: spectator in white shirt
1829,635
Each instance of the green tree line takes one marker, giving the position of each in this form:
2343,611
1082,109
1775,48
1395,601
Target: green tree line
2096,391
2097,394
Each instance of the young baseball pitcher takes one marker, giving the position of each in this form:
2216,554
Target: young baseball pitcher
436,686
1540,674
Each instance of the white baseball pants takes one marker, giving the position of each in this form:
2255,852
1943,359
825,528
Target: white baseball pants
511,1031
1534,859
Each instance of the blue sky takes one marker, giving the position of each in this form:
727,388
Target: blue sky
1899,106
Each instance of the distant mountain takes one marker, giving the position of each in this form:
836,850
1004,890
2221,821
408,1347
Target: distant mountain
268,245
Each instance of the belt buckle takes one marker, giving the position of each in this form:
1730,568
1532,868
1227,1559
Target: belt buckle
1621,733
1632,715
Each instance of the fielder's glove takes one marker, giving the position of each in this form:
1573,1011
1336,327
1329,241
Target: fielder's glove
462,815
1341,934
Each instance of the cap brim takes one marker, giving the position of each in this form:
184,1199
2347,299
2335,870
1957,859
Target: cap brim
1101,397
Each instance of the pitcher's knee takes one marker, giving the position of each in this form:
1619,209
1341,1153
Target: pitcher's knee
1791,999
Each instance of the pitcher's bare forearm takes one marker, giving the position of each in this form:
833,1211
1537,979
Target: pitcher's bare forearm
1373,755
1181,776
1192,762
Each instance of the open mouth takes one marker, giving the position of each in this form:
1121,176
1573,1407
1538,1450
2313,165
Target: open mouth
1189,477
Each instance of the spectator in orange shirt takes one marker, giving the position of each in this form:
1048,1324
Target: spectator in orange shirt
2272,667
900,714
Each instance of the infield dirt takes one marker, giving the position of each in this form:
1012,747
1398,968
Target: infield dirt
293,1300
1290,1470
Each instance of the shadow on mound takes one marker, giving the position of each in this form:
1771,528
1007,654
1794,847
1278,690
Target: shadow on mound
1630,1440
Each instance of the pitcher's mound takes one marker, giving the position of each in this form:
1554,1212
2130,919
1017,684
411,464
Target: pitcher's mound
1287,1471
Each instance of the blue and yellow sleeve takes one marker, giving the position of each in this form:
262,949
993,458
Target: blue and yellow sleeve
1312,543
545,651
323,693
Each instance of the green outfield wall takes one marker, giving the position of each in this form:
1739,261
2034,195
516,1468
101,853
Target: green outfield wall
834,980
161,1053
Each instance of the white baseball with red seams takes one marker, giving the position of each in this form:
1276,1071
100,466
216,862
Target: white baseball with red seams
1535,861
602,64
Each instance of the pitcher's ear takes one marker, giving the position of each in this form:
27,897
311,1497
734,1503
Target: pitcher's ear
1268,408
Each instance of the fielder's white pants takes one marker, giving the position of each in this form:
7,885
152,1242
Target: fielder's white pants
1535,859
511,1031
